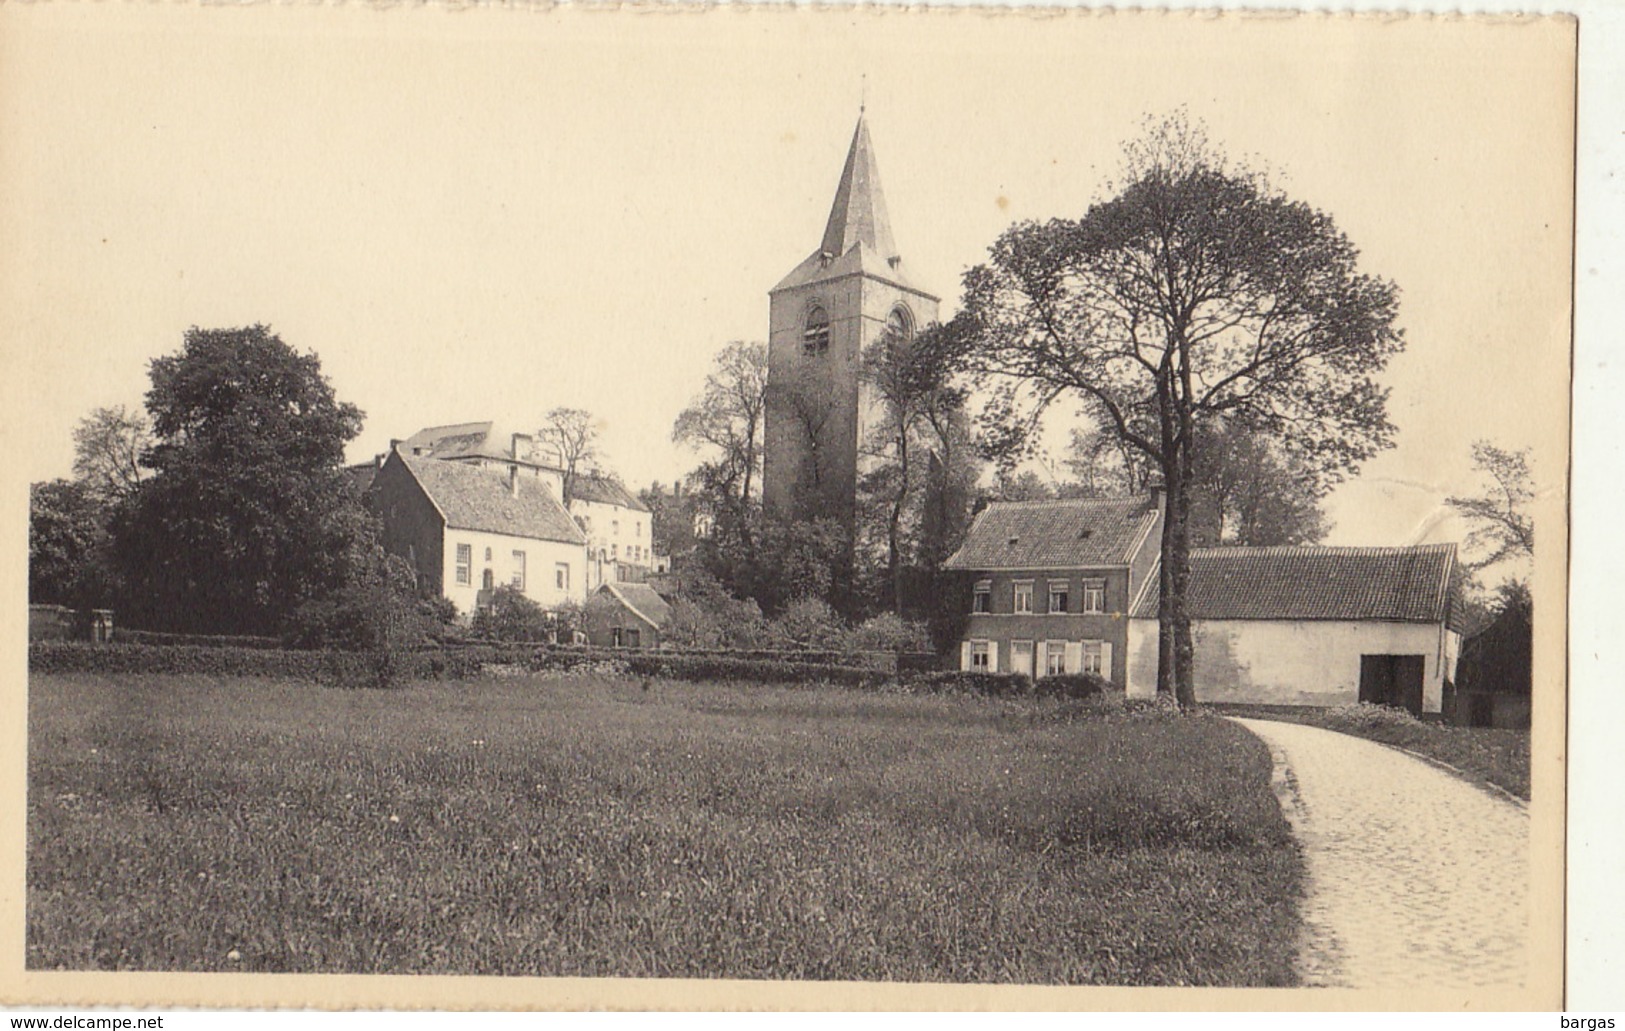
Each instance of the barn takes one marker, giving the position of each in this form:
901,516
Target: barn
1311,626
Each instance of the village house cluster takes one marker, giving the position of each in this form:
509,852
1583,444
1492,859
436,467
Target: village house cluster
1055,587
472,509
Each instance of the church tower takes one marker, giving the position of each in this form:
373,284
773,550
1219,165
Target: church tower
822,316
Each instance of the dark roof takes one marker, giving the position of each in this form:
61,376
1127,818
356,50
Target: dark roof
362,475
642,599
472,498
1071,534
1401,585
605,491
475,440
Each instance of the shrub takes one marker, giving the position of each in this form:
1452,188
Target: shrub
810,623
911,664
889,632
1157,705
510,616
1366,716
1073,685
994,685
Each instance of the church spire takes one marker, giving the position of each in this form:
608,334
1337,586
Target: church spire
859,213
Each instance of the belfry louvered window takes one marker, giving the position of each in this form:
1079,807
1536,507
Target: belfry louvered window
815,339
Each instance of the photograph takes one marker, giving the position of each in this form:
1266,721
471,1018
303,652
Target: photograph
786,508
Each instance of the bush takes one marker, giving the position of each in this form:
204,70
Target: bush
993,685
1074,685
809,623
889,632
510,616
1366,716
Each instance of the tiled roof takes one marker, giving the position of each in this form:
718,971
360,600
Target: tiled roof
474,440
858,237
642,600
472,498
603,490
1067,534
1403,585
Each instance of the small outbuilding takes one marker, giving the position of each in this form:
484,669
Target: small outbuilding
625,615
1314,626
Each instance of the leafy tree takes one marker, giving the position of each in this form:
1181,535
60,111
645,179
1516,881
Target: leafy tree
801,559
573,435
726,419
810,623
1502,526
912,377
1247,490
808,400
1022,485
511,616
1198,290
705,615
108,445
671,518
67,545
249,513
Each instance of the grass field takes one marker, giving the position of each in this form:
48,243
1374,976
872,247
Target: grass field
589,827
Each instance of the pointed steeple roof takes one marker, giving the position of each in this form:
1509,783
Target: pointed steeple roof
859,213
858,237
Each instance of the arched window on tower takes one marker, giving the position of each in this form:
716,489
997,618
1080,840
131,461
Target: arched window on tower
815,339
899,326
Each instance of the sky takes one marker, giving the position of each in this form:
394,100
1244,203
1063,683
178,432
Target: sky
483,214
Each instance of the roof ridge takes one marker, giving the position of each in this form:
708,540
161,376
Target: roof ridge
1035,502
1227,550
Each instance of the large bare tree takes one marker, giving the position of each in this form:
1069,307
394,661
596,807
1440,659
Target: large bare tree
107,448
1502,527
1196,290
727,419
573,435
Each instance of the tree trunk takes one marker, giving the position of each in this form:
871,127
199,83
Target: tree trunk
894,527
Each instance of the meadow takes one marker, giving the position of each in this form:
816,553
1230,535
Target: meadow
594,826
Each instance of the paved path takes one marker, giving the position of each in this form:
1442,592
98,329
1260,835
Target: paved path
1415,877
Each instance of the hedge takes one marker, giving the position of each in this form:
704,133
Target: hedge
325,667
997,685
463,663
469,662
121,635
1074,685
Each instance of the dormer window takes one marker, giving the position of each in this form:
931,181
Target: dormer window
815,339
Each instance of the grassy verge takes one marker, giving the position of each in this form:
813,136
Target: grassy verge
574,826
1491,755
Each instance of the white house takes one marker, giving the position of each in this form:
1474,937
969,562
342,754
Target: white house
618,527
468,529
1311,626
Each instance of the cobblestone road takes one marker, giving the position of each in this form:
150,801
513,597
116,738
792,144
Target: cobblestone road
1415,877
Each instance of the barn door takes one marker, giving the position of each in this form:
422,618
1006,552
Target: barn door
1392,680
1408,683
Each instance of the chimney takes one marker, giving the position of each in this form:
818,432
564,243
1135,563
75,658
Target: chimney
530,446
1158,489
513,479
378,459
